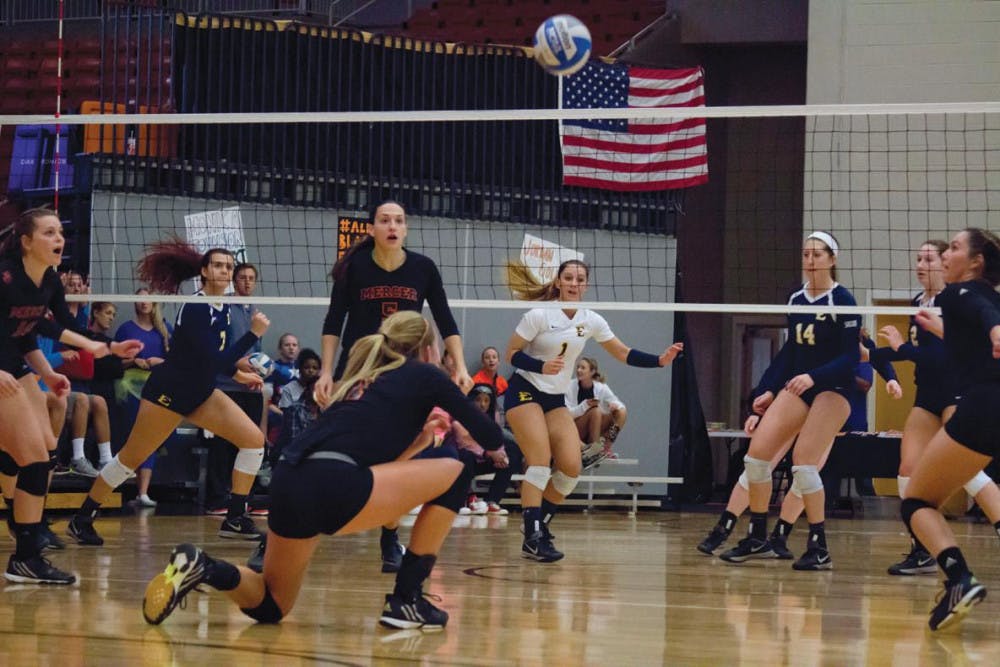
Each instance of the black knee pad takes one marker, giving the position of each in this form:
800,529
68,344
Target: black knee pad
454,498
34,478
267,611
911,505
8,466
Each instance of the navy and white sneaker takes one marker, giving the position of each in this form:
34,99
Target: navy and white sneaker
917,561
955,601
538,546
780,548
412,612
713,541
184,571
748,549
814,559
36,570
83,532
256,560
240,528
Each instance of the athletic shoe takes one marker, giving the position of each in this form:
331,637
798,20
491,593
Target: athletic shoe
184,571
217,511
462,511
917,561
748,549
955,601
476,506
240,528
256,560
83,467
412,612
593,454
714,540
83,532
780,548
392,557
36,570
145,501
61,470
258,511
814,559
50,540
494,509
539,547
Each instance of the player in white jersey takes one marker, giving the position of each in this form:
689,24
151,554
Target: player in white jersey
544,349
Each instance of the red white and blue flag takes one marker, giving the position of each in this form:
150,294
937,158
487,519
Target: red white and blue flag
644,154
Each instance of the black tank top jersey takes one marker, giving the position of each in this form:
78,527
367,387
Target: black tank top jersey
923,348
368,294
199,347
823,345
23,306
381,424
970,310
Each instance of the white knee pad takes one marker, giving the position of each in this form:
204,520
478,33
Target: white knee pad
758,471
795,489
977,483
538,476
248,460
902,483
808,479
114,473
563,483
743,481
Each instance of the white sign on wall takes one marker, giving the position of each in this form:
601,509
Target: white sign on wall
217,229
544,257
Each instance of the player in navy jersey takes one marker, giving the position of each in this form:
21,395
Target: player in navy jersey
803,393
934,403
183,386
29,288
353,470
970,326
375,278
543,350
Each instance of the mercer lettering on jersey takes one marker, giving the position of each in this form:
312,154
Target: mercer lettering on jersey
388,292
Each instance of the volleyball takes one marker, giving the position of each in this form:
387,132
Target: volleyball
262,364
562,44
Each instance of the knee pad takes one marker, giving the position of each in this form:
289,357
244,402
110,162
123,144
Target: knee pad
248,460
114,473
267,611
807,478
758,471
8,466
743,481
563,483
977,483
911,505
902,483
538,476
34,478
454,498
795,489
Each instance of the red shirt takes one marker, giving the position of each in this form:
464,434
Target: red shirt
499,383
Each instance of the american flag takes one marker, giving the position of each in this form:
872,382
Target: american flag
645,154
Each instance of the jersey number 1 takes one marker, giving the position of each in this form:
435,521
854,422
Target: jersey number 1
806,336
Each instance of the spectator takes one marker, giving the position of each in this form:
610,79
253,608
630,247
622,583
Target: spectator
489,373
598,413
76,285
301,411
285,369
306,371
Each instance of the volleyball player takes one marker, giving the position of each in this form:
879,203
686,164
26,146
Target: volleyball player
375,278
350,472
30,287
970,324
543,350
183,386
805,395
934,403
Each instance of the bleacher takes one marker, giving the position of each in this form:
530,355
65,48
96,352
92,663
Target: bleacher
611,22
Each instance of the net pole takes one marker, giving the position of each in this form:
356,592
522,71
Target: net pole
59,82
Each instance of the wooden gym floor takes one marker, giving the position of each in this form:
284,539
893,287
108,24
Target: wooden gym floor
629,592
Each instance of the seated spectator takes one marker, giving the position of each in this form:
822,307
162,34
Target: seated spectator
299,413
488,372
306,371
285,368
503,462
76,284
598,413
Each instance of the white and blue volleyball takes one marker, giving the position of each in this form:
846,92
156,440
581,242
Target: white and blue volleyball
261,364
562,44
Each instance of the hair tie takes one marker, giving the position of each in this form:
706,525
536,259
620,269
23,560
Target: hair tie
827,239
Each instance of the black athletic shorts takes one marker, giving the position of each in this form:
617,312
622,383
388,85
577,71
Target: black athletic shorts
175,390
976,421
810,394
933,399
316,496
520,392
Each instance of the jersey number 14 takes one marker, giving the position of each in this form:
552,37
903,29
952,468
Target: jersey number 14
805,336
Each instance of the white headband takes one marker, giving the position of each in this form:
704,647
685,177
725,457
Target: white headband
827,239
